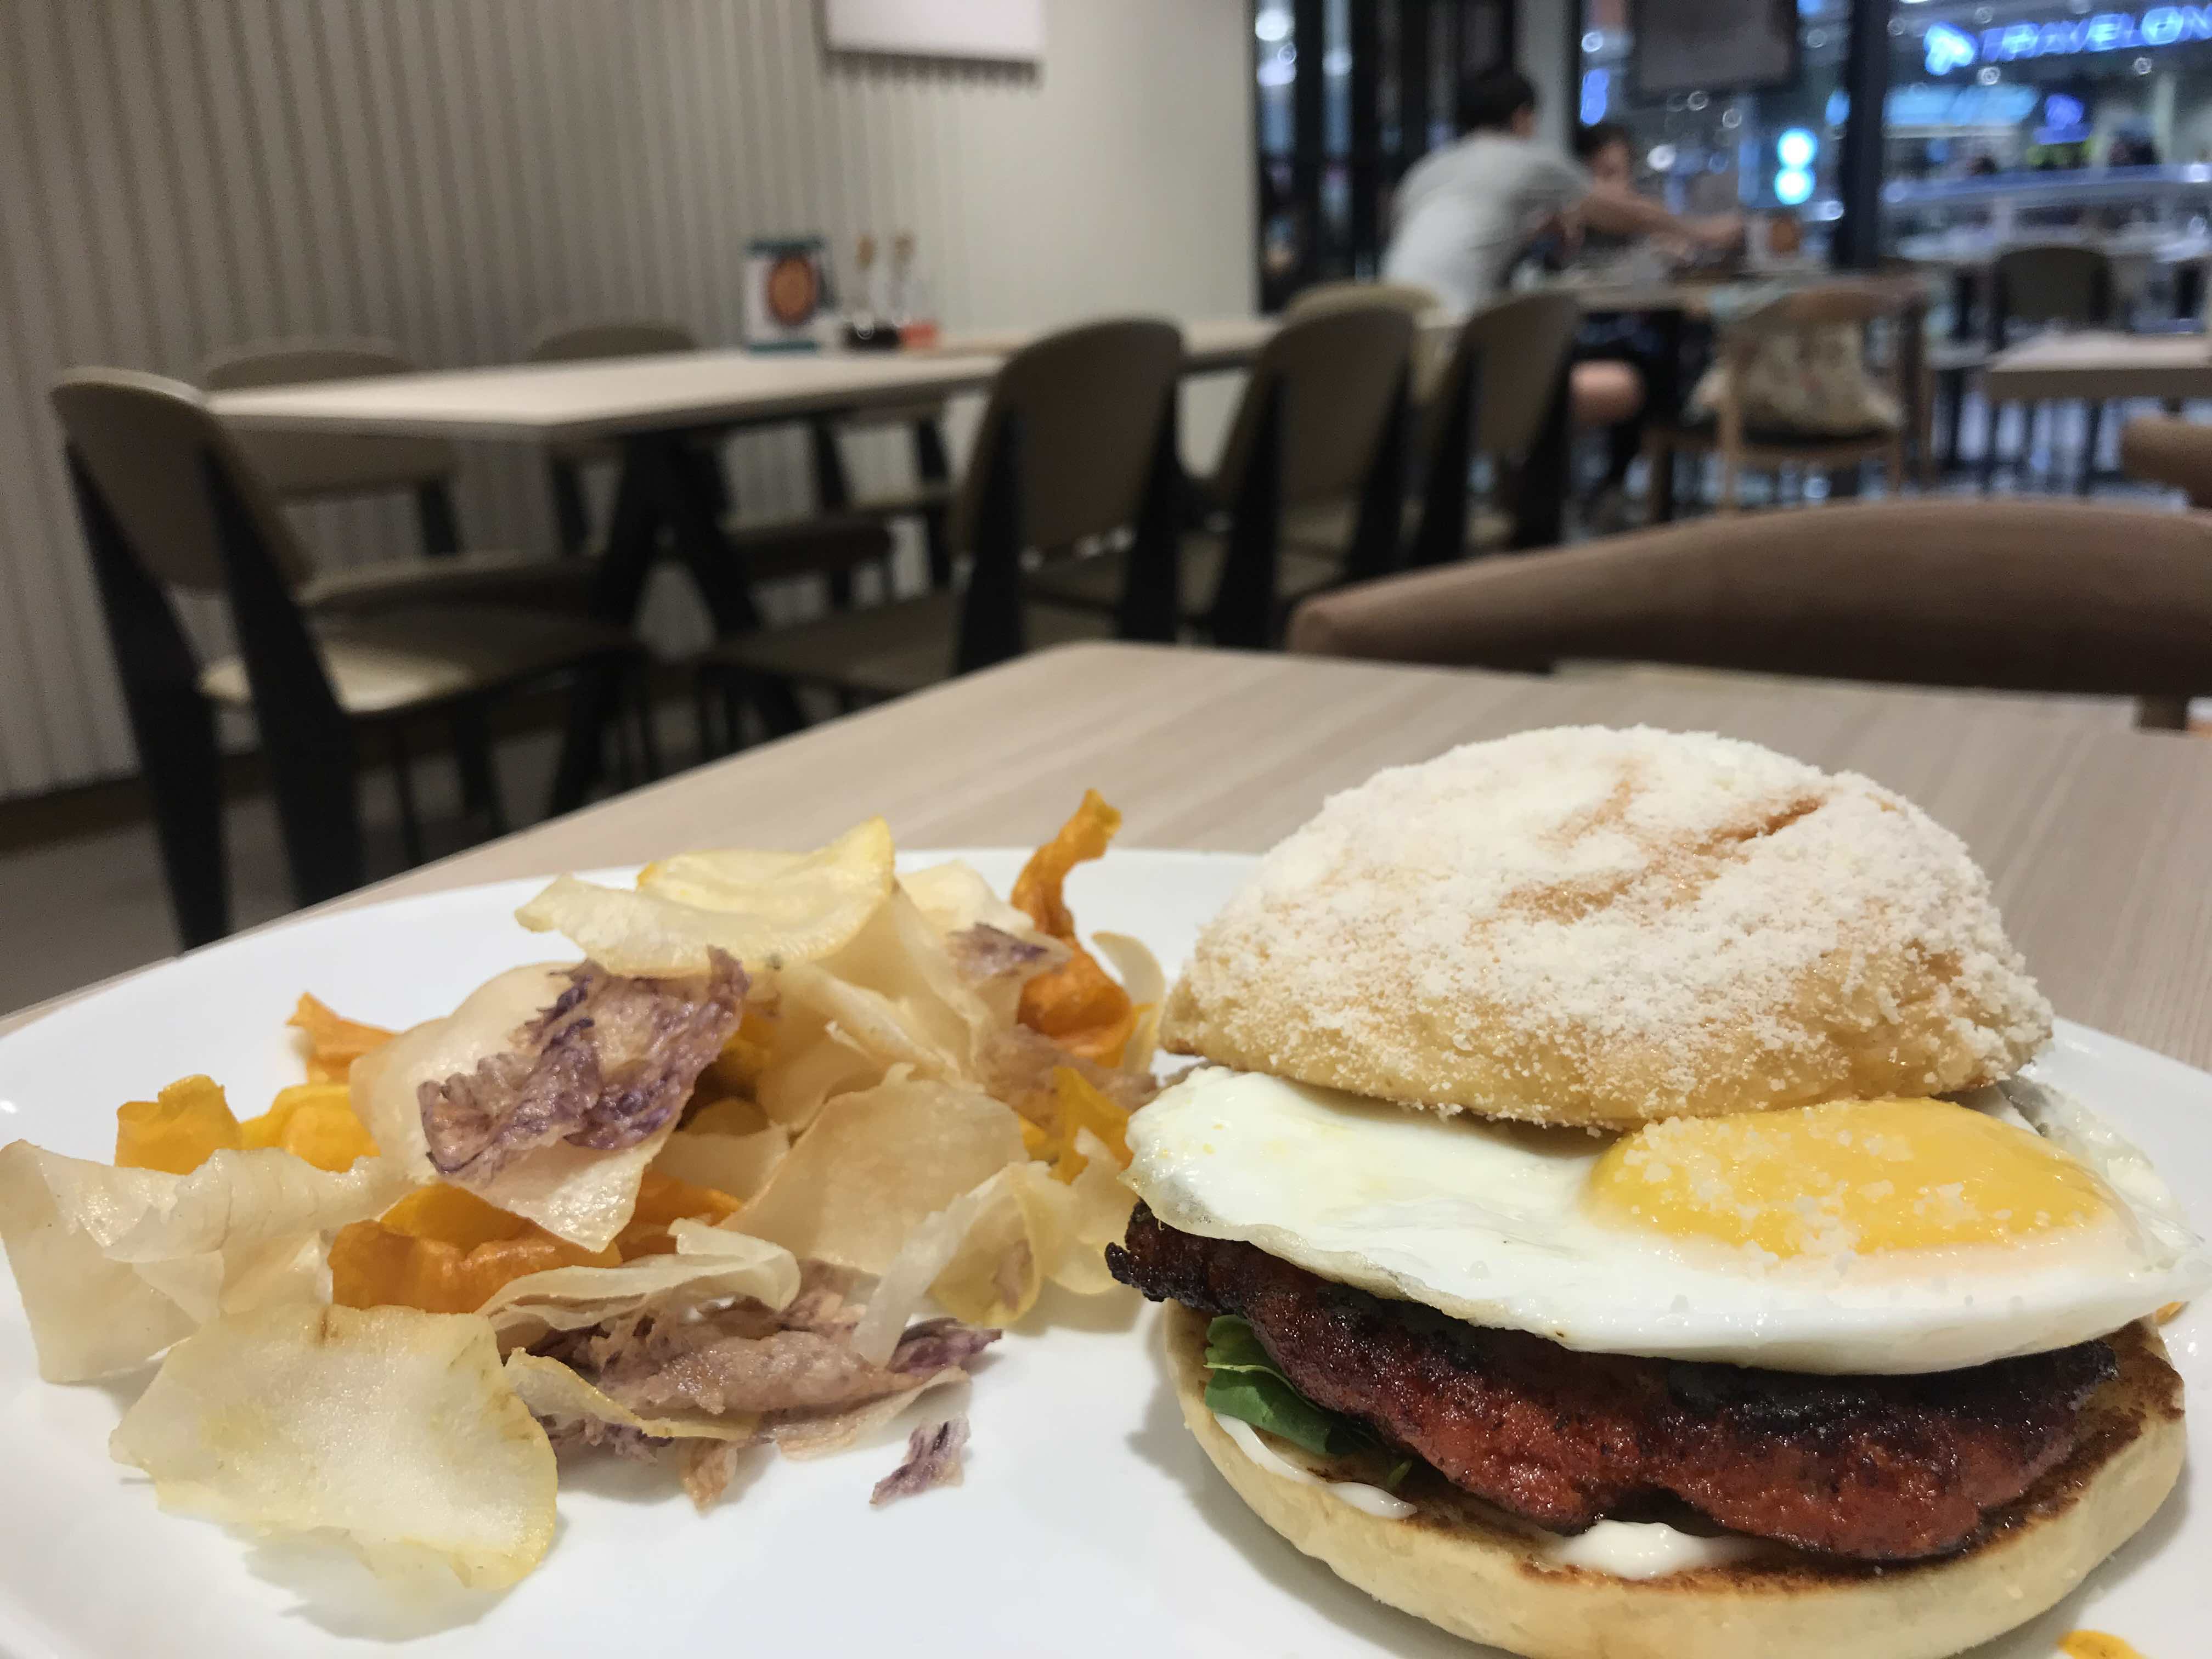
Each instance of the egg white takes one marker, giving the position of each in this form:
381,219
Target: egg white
1485,1221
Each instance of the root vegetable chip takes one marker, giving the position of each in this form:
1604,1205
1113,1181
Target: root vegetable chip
575,1193
891,997
1077,1005
115,1264
766,909
709,1264
662,1200
443,1249
876,1163
395,1427
1032,1228
178,1129
314,1122
551,1390
1146,986
737,1164
333,1042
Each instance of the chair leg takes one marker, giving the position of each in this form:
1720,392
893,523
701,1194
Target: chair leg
473,757
402,788
594,695
2089,447
571,517
1658,480
1894,468
1988,444
648,741
1730,468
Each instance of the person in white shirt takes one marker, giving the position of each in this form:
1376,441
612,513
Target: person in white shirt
1465,213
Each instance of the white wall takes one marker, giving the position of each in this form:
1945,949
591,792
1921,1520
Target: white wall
1545,39
183,177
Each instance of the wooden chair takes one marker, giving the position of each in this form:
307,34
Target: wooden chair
169,501
2060,283
1739,443
303,466
1076,442
1942,592
1324,415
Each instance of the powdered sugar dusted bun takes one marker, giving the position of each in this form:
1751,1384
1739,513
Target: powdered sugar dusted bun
1597,927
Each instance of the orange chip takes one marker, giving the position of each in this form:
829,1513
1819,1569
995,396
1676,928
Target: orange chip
314,1122
334,1042
743,1057
178,1129
1078,1005
661,1199
444,1250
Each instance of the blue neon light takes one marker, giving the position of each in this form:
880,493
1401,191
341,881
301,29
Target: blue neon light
1948,47
1792,185
1796,147
1597,86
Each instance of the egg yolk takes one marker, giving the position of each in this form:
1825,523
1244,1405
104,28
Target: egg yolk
1852,1176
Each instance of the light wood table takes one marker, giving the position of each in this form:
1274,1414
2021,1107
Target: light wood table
2100,363
2095,835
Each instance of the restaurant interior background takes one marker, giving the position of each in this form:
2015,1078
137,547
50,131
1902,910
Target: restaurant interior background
455,179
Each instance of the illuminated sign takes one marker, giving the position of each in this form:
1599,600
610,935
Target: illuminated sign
1949,48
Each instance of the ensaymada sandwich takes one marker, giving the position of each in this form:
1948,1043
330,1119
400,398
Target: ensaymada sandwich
1738,1295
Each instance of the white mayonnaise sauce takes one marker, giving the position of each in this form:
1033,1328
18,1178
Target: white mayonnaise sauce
1645,1549
1373,1499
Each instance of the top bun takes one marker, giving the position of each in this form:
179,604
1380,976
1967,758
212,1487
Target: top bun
1591,926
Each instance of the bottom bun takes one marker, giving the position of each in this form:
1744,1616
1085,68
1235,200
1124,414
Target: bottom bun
1482,1574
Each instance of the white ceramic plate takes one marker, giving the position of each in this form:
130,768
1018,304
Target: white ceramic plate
1090,1522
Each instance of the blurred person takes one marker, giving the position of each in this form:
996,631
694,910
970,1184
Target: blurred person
1464,214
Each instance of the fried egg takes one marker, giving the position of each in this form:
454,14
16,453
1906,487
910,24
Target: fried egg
1889,1235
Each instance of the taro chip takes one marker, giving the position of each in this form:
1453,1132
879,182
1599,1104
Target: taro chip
709,1264
394,1427
876,1164
553,1392
115,1264
572,1192
766,909
334,1042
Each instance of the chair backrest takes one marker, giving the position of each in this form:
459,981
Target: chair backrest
300,464
1509,356
616,337
2051,283
1410,298
1088,405
1823,305
1334,377
1994,594
146,442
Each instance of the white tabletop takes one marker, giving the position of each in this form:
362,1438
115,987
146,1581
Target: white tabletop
607,397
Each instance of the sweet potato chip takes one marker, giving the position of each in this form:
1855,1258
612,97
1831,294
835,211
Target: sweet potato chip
1077,1005
397,1428
314,1122
662,1200
572,1192
333,1041
766,909
1146,986
443,1249
178,1129
876,1163
115,1264
737,1164
709,1264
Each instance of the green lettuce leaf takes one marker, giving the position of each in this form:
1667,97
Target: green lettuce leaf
1247,1384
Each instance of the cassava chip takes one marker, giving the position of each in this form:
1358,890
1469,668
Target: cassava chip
709,1264
737,1164
1146,986
576,1193
334,1042
395,1427
1033,1229
764,908
890,997
876,1163
115,1264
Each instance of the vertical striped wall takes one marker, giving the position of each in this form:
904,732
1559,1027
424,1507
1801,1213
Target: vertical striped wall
179,176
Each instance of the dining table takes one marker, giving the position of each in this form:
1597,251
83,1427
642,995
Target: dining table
2093,834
